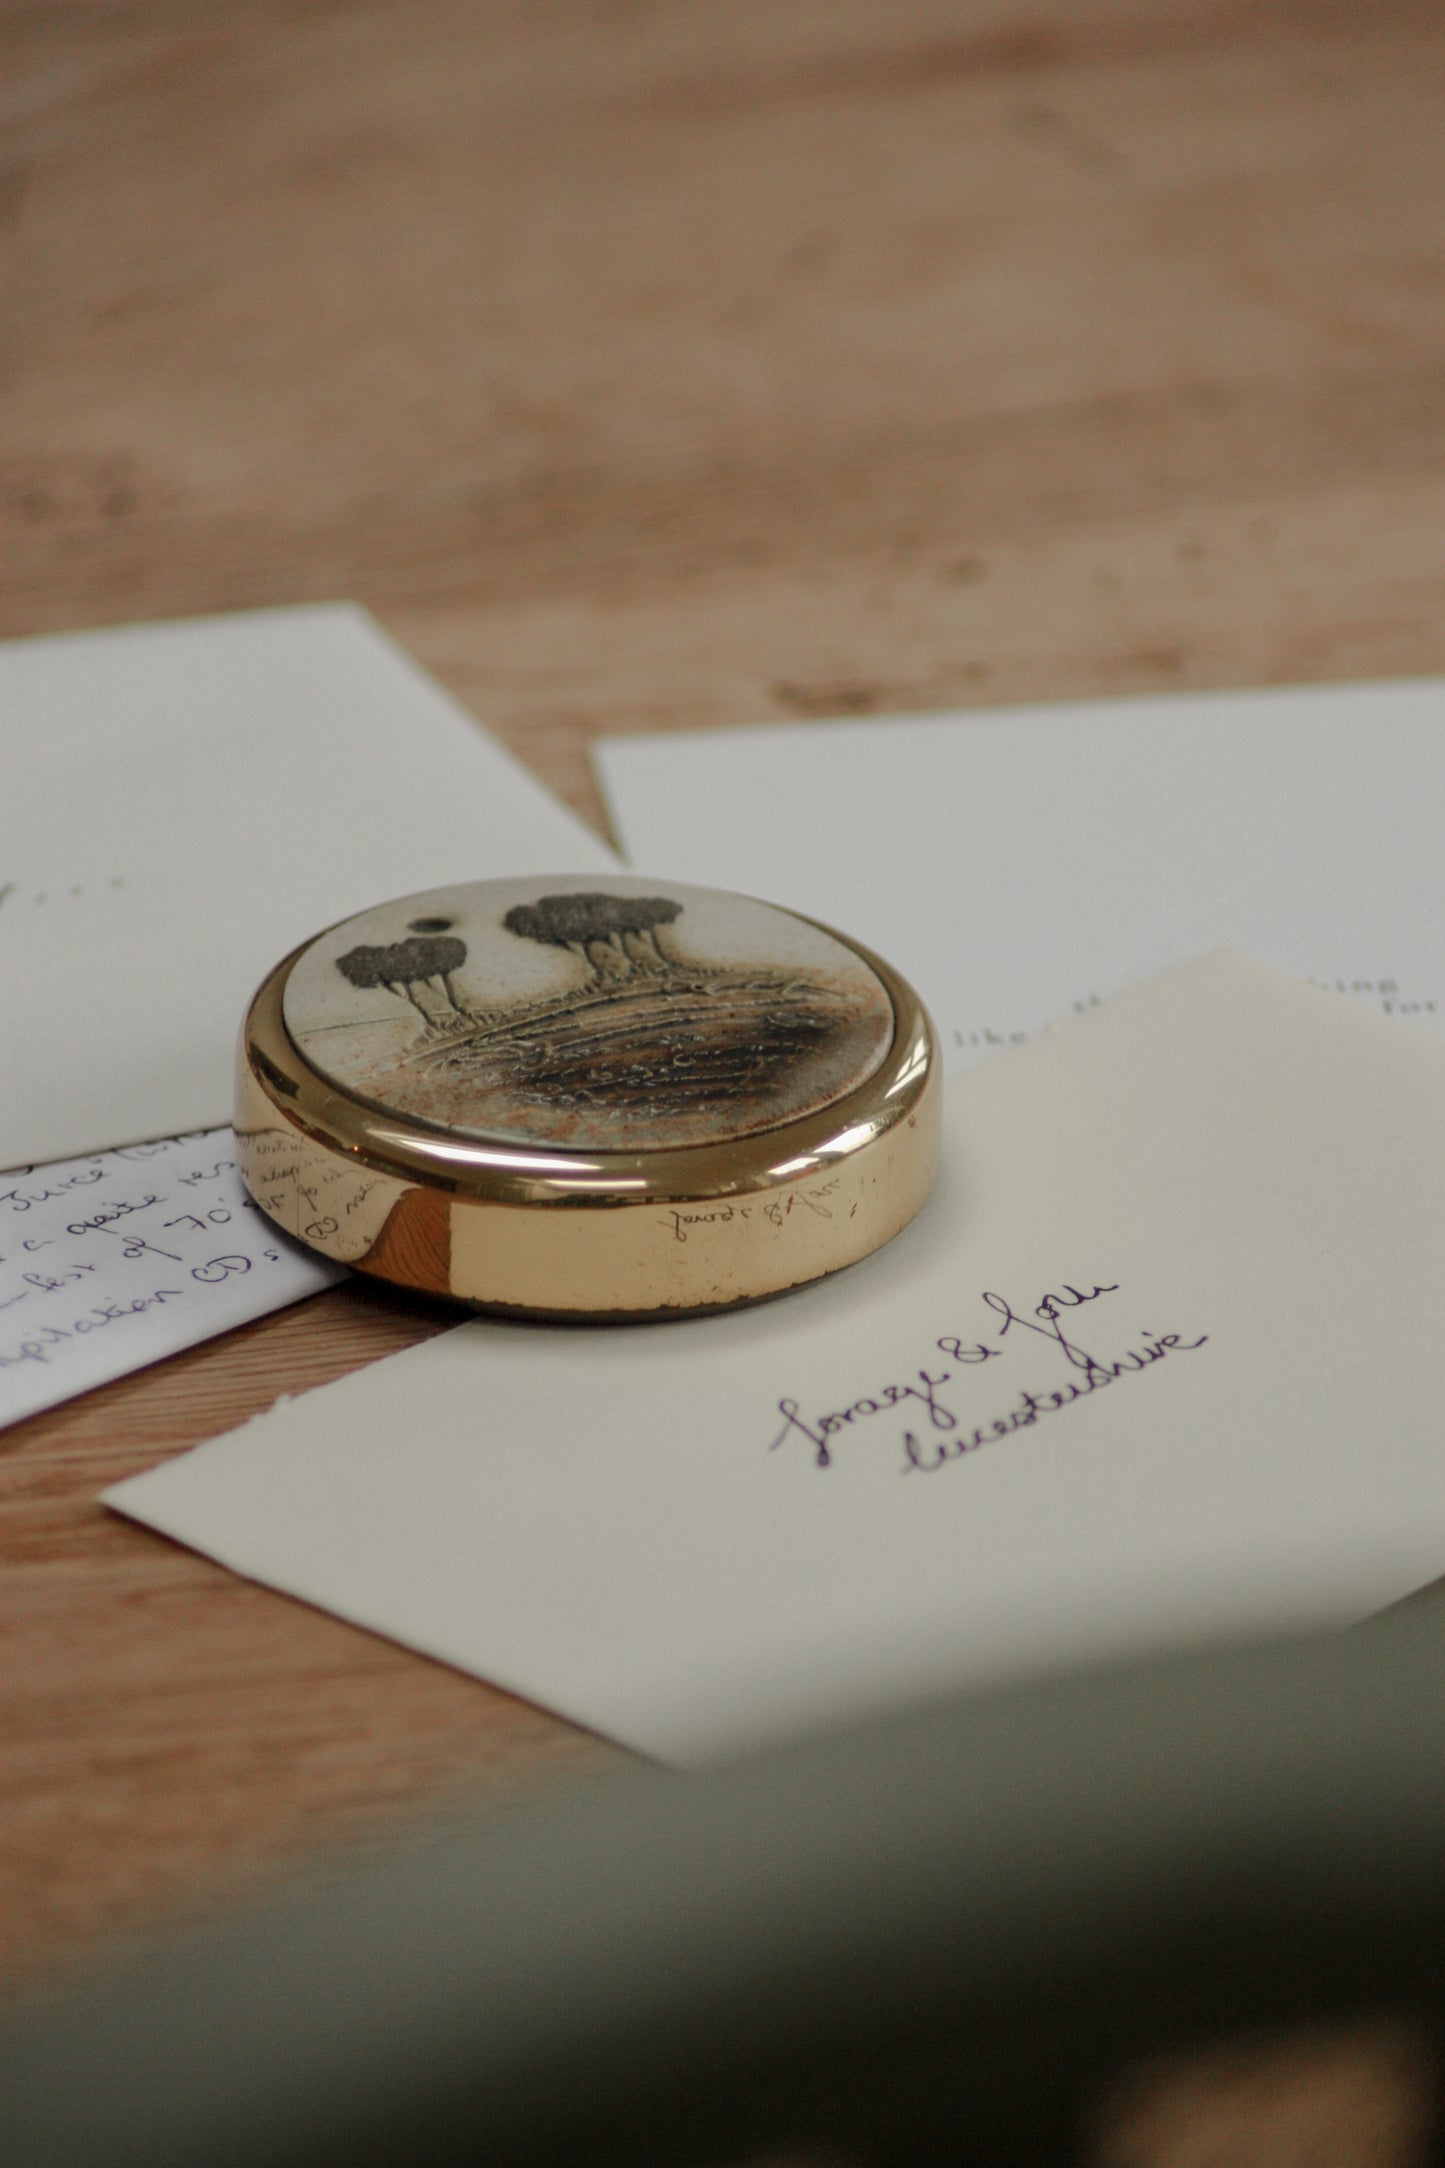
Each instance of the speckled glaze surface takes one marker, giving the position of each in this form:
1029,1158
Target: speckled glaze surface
602,1014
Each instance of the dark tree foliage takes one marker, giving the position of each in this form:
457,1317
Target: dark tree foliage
429,956
573,921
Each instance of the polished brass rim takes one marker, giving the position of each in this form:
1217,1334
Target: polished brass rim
545,1231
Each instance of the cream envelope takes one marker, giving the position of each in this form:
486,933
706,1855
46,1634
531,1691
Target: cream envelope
1158,1359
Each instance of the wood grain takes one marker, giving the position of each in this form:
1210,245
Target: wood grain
648,366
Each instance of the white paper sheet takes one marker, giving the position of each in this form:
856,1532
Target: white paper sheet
111,1262
1164,1344
182,805
1021,864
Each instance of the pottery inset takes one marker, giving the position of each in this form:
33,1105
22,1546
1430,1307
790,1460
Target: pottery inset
621,1015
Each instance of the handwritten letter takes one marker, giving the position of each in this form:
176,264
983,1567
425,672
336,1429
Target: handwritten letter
182,805
111,1262
1020,865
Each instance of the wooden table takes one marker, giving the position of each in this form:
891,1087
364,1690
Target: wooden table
645,366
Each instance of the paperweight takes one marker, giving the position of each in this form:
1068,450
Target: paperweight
610,1101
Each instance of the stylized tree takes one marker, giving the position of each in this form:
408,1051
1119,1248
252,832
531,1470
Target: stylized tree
598,928
640,920
405,965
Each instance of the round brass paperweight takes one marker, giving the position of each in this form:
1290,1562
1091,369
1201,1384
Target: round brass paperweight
600,1099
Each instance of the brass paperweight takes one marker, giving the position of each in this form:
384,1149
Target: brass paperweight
607,1099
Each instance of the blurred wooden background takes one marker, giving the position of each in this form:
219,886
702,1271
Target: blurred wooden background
645,364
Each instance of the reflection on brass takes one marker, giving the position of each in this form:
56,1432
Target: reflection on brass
414,1248
603,1103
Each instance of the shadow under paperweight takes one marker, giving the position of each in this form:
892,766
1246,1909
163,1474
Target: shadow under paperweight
615,1101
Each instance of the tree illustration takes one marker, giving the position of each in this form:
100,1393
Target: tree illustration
405,965
611,935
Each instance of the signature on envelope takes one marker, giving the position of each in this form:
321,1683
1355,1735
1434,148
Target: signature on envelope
940,1438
